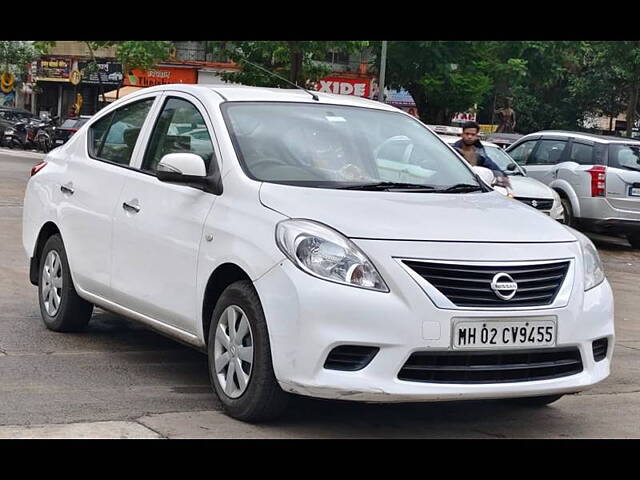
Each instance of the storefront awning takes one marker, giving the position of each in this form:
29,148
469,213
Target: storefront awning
124,91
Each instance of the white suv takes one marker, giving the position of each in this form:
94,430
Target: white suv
289,252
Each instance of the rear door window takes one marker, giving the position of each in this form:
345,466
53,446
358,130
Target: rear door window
114,137
549,152
581,153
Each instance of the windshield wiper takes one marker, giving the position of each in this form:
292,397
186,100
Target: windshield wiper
416,187
460,188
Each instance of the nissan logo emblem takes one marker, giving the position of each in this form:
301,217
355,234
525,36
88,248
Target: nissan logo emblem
504,286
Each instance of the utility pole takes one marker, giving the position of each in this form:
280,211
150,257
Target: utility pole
383,68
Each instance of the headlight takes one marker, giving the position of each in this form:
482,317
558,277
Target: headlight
557,211
8,131
325,253
593,270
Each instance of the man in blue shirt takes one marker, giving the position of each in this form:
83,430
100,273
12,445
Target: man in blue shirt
470,147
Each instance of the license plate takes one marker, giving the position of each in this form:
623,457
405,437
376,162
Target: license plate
503,334
634,191
59,141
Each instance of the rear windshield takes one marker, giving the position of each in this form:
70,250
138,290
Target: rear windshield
69,124
625,156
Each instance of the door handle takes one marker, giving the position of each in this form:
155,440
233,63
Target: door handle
67,189
131,208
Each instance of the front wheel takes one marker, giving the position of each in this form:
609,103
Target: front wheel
569,219
634,240
240,365
60,306
534,401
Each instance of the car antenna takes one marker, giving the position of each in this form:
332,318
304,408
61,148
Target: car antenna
313,95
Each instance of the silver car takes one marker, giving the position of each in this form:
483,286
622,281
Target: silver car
597,177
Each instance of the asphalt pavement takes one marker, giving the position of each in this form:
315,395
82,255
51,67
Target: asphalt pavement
119,380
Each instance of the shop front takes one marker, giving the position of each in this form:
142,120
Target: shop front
68,86
346,84
161,75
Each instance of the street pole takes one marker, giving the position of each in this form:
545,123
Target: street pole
383,68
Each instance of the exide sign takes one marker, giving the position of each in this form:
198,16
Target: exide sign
345,86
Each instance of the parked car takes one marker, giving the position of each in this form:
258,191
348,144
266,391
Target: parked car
597,177
70,126
301,266
503,140
523,188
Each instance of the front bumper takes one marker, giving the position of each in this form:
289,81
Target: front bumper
308,317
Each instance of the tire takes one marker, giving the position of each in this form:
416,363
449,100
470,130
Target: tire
261,399
634,240
534,401
569,219
72,313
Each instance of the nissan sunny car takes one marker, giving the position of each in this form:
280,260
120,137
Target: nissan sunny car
266,228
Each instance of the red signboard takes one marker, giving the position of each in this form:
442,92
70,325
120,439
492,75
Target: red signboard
359,87
161,76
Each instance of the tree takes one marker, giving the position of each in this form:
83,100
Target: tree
14,60
442,77
295,60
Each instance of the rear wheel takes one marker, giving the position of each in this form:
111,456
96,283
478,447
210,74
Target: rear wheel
534,401
240,366
60,306
634,240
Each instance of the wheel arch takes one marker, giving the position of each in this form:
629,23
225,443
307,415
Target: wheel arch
223,276
46,231
565,190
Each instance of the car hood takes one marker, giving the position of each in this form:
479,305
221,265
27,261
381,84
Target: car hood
527,187
472,217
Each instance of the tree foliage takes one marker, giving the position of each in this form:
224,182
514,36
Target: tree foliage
16,56
296,61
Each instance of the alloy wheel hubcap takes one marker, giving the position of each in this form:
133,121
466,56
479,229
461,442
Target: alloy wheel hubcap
52,283
233,351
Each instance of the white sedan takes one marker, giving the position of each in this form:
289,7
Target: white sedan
523,188
281,233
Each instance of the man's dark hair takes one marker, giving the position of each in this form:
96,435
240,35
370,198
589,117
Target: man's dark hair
470,124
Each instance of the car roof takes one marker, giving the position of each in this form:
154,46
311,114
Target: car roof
585,136
452,139
243,93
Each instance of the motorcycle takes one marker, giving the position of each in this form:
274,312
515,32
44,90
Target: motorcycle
16,136
44,134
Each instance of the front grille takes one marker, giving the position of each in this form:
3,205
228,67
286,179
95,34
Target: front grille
469,285
600,349
491,366
350,357
538,203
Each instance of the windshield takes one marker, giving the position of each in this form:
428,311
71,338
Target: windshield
503,160
625,156
337,146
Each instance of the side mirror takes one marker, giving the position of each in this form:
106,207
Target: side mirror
184,164
511,167
187,169
486,175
